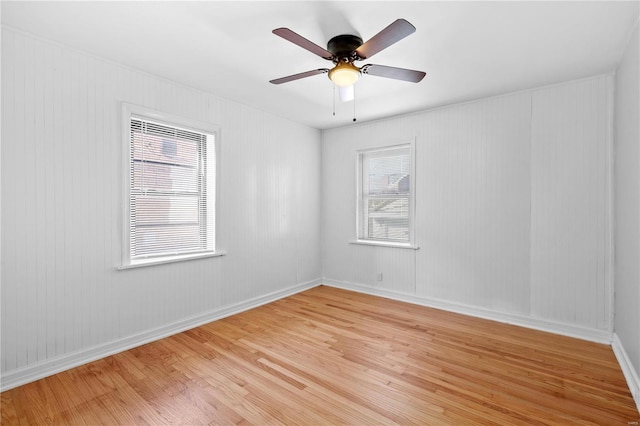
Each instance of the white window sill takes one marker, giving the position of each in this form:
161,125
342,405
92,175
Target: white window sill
384,244
170,259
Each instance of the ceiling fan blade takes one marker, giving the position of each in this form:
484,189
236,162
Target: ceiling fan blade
393,72
296,38
298,76
396,31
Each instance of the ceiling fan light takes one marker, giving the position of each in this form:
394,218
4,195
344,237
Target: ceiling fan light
344,74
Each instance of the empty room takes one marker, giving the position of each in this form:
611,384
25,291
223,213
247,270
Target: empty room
314,213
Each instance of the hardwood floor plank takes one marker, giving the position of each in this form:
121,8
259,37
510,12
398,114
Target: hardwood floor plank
330,356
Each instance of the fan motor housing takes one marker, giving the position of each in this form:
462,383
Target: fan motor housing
344,45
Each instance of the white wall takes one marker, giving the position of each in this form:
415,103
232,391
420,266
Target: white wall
512,201
63,301
627,211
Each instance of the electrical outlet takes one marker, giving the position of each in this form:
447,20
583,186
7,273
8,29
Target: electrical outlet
379,276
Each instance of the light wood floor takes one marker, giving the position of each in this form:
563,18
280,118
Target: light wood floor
328,356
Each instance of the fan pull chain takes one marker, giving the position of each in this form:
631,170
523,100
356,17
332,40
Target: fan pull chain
334,100
354,102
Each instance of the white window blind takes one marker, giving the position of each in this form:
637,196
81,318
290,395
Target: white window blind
385,194
171,198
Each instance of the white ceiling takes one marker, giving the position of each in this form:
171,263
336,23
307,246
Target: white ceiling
469,50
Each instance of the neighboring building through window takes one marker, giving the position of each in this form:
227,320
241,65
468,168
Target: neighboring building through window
170,212
385,189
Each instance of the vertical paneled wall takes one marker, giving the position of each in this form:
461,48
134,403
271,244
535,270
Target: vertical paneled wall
473,204
61,206
512,206
570,203
627,205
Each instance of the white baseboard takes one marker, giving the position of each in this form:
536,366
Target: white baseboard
594,335
630,373
30,373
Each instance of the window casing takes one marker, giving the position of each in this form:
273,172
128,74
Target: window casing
169,212
385,195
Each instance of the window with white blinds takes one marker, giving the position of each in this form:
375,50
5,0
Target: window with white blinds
171,197
385,194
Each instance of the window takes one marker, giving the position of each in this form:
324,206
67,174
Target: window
170,190
385,189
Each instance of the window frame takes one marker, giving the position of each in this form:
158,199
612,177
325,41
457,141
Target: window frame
361,237
130,111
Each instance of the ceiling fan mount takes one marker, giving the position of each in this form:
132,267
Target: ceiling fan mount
343,50
343,47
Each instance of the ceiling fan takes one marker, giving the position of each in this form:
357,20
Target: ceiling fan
344,50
